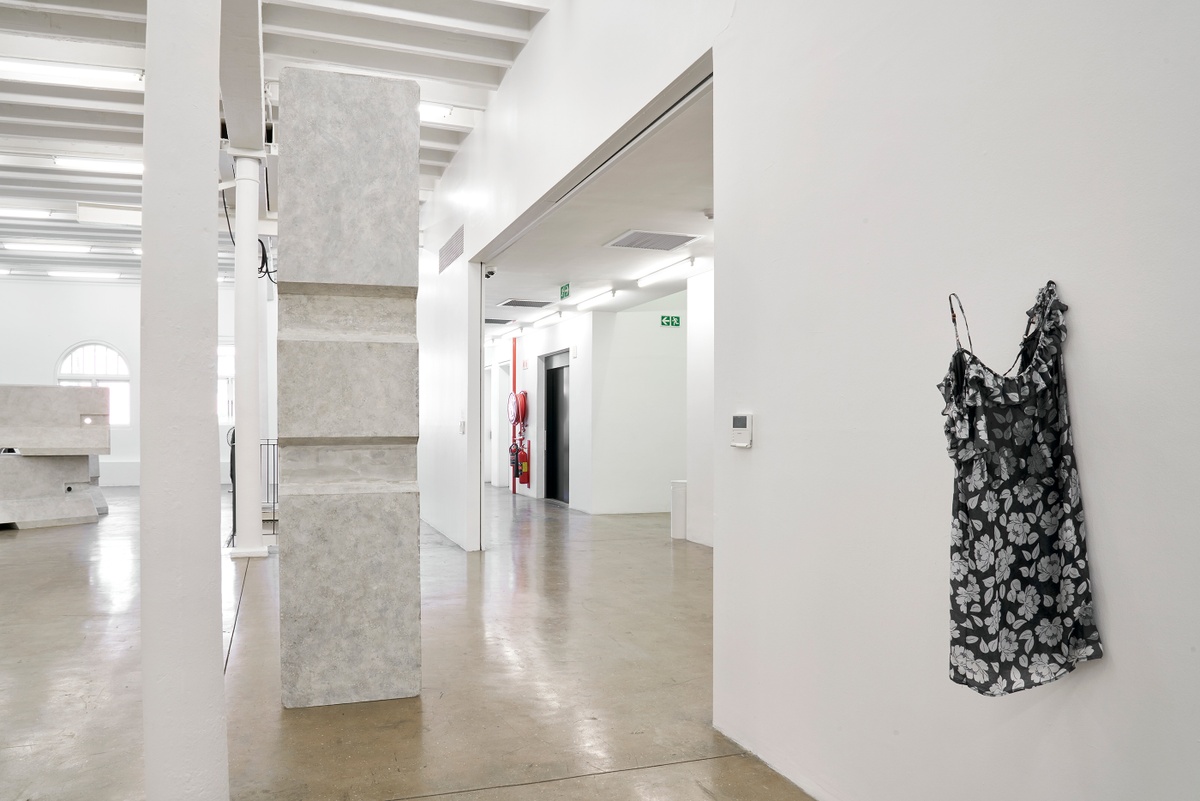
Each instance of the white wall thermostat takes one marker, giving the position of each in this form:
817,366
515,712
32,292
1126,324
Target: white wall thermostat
743,430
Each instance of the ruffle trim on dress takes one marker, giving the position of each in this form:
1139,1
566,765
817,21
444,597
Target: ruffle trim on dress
970,384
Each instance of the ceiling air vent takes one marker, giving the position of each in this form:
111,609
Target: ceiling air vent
525,304
652,240
451,250
495,321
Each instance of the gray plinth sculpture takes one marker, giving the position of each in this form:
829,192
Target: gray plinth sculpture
58,433
349,517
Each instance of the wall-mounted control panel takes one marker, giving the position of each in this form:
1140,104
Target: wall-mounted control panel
743,431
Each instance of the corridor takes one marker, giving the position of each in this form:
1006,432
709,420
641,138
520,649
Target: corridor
572,659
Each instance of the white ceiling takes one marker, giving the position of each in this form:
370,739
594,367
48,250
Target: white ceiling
664,183
457,50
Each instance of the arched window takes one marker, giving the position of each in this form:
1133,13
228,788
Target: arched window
97,365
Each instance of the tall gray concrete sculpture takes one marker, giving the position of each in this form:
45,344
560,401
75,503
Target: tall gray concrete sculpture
349,578
59,433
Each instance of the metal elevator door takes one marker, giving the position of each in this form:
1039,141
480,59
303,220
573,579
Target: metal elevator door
558,435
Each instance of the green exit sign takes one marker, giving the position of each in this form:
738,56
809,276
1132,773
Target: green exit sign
668,321
564,291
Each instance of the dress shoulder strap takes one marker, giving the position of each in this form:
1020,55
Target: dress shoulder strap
954,321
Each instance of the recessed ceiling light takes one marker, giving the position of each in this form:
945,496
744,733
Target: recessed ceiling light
63,74
63,274
117,166
39,247
26,214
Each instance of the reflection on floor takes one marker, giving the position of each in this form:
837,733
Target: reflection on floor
572,659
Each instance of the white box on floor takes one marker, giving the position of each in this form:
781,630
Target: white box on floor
679,510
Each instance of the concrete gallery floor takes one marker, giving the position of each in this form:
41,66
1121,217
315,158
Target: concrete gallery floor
570,660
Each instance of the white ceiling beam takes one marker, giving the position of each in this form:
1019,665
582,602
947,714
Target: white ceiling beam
328,27
427,183
432,170
440,158
70,118
41,94
385,61
242,98
72,28
127,10
453,16
441,139
54,146
33,195
540,9
433,91
87,53
59,134
14,178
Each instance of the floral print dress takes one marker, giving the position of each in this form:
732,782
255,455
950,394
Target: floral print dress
1020,593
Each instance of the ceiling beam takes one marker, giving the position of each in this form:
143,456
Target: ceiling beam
53,136
385,61
452,16
73,28
127,10
70,118
361,32
55,146
95,54
242,98
42,94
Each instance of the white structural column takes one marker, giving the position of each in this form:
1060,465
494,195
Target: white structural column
247,339
183,695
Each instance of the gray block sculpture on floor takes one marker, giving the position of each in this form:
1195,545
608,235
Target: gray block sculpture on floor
349,515
58,433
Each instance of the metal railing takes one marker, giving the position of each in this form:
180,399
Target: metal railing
269,479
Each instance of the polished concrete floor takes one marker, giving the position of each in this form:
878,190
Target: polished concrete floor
570,660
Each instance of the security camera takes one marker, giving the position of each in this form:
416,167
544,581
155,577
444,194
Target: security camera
489,272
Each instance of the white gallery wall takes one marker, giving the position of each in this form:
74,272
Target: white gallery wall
919,150
912,151
702,431
639,423
450,371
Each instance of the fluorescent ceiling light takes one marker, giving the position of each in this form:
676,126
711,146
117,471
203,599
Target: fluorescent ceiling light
598,300
38,247
668,273
604,290
3,271
434,112
64,74
26,214
136,251
105,276
118,166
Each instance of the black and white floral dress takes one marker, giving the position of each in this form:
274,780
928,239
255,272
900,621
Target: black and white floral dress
1020,593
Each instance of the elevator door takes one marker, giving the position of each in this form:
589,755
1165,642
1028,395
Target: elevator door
558,437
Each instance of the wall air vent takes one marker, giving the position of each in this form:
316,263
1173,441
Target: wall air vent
495,321
525,304
453,249
652,240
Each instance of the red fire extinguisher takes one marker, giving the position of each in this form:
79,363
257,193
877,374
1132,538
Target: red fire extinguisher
523,464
